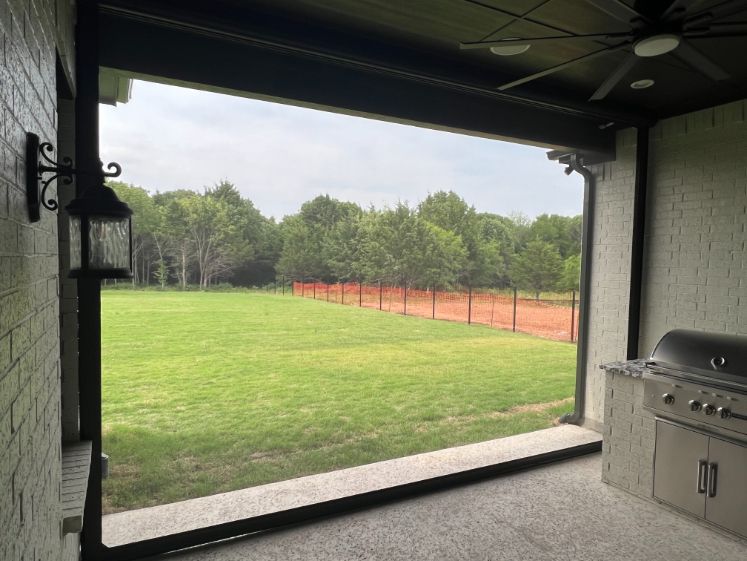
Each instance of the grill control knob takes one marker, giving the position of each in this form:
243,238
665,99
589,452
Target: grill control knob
708,409
694,405
668,398
725,412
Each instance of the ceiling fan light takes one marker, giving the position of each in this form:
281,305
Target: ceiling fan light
642,84
510,48
656,45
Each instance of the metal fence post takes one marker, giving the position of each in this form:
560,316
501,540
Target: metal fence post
342,293
381,294
313,289
514,327
573,313
433,312
492,308
469,305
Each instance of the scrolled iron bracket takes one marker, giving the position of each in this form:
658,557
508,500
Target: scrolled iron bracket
39,162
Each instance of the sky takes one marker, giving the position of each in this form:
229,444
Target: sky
280,156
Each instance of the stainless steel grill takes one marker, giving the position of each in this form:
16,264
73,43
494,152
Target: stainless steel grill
714,358
700,376
696,385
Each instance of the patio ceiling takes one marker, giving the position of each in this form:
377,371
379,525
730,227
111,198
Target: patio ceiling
402,60
435,28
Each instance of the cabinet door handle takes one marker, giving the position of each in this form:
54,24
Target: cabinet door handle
712,476
701,479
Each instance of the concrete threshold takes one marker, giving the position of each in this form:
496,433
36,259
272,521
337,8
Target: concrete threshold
146,523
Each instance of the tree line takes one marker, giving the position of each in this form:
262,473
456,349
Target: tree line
216,236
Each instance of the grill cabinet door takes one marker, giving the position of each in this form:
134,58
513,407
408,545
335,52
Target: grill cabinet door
728,508
680,453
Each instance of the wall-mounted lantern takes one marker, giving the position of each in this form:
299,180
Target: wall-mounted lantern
100,224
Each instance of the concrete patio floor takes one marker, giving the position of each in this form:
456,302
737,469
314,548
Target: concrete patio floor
182,516
554,513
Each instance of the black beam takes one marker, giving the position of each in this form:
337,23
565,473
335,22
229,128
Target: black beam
227,62
345,43
637,241
89,304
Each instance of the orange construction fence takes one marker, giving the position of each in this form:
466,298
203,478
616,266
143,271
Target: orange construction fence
554,319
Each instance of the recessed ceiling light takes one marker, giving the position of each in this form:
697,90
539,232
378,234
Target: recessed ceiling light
656,45
642,84
510,48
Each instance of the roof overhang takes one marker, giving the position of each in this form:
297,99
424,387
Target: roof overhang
254,57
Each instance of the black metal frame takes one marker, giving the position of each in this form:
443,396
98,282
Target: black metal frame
89,317
89,290
637,242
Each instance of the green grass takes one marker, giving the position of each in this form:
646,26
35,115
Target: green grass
211,392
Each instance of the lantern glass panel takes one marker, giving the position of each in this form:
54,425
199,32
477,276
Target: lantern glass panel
109,242
75,242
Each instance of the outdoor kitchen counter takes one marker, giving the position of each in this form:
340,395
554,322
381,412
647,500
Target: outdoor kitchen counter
632,368
629,429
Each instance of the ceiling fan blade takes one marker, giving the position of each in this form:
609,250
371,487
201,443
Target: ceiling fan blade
562,66
618,10
693,57
617,74
722,10
524,40
719,34
716,29
678,5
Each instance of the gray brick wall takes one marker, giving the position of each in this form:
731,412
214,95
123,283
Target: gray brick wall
695,271
610,271
629,436
31,31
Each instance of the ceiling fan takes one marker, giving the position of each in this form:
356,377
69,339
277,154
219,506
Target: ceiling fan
669,29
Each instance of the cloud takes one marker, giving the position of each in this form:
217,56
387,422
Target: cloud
280,156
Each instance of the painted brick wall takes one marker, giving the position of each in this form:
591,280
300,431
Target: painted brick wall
30,524
629,436
610,270
695,266
695,270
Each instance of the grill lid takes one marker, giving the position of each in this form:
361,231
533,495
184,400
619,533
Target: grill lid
714,355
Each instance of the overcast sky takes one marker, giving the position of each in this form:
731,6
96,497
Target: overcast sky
280,156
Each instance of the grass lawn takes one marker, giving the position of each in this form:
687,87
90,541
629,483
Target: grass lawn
211,392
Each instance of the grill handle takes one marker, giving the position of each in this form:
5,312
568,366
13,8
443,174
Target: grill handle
701,479
712,476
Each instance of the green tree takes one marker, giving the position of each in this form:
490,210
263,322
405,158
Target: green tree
497,233
311,239
398,246
213,235
299,257
564,232
538,268
145,221
342,247
571,273
447,210
174,238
